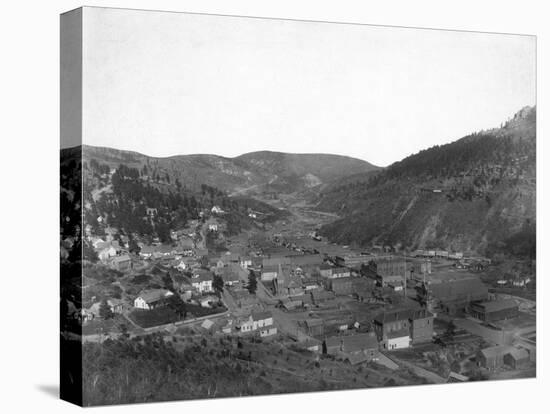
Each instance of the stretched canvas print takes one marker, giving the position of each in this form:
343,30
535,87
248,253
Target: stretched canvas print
258,206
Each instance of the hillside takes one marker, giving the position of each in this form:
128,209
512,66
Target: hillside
474,194
251,173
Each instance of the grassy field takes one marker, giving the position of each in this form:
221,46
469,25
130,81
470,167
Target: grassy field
165,367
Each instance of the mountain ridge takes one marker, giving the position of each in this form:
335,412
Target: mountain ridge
475,193
254,172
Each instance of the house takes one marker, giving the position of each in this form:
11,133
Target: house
107,251
293,286
122,263
495,310
258,321
339,272
357,348
185,263
233,274
202,280
243,298
493,357
146,252
314,327
116,305
310,284
516,358
387,269
453,296
418,322
213,227
245,262
151,299
261,319
184,287
245,325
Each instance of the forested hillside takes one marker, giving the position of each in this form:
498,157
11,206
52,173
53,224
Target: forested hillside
477,193
252,173
127,199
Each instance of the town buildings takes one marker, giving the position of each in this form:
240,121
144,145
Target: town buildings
452,296
357,348
202,280
402,327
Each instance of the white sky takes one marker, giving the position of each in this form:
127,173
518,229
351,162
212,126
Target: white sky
169,83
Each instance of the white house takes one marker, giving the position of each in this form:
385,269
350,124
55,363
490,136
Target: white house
338,272
213,227
150,299
258,321
202,280
261,319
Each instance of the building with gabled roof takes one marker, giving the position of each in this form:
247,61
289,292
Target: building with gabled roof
493,357
517,358
151,299
453,296
359,347
315,326
495,310
417,321
233,274
202,280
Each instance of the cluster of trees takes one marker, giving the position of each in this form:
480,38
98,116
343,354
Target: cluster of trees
125,205
472,152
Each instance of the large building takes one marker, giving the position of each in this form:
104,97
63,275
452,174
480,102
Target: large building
388,270
496,310
417,322
453,296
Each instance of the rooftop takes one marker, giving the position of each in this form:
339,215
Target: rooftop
154,295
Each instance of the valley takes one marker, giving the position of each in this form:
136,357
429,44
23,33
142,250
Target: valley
273,272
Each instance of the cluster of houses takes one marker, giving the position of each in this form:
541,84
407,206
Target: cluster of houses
496,357
391,330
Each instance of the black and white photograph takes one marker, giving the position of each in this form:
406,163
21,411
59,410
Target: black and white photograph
234,206
257,206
